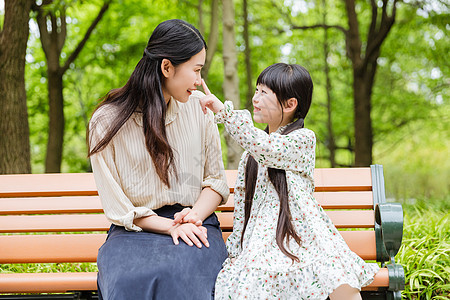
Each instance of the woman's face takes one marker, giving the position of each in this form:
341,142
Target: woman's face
180,81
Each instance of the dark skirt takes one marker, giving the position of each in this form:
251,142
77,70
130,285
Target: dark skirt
145,265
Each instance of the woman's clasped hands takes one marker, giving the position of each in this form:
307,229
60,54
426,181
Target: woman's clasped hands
188,226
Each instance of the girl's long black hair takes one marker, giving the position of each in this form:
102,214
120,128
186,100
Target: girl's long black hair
286,81
177,41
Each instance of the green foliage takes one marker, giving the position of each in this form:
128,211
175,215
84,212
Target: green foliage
425,251
48,268
410,96
415,161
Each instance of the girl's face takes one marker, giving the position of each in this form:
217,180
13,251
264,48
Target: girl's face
266,108
180,81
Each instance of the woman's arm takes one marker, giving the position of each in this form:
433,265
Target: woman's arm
117,206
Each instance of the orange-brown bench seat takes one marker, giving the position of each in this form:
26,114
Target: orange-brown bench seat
58,218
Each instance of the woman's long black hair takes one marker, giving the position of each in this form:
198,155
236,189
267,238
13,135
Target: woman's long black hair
286,81
177,41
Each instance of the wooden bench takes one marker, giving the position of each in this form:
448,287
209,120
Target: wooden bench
37,211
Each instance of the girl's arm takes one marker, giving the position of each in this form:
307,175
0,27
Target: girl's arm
294,151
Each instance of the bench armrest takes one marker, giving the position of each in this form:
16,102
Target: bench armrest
389,233
389,218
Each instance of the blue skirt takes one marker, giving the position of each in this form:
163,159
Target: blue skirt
145,265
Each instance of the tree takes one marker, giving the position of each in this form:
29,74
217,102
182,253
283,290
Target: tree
247,53
331,143
213,37
231,82
53,40
14,130
363,58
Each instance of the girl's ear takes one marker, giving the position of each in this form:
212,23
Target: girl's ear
290,105
166,68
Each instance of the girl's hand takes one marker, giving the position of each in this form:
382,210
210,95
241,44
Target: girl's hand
190,234
187,216
210,101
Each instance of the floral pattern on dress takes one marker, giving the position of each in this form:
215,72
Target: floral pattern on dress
261,270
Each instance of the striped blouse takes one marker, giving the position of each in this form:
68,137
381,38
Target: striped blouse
124,172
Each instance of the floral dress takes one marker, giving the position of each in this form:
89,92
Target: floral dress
261,270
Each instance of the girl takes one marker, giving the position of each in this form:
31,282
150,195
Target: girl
283,245
155,156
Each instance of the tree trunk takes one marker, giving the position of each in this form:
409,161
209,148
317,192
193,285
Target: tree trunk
331,144
14,130
231,83
56,123
52,43
201,27
362,123
364,69
247,53
213,38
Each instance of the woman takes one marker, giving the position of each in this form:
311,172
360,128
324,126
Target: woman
156,157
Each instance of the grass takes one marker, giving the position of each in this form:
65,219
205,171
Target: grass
425,250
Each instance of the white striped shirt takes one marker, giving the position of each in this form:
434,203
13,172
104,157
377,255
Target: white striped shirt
125,175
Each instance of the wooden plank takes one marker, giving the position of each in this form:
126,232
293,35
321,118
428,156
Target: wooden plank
84,247
50,205
82,184
226,220
98,222
345,200
328,200
53,248
48,282
231,178
54,223
360,242
341,219
331,179
343,179
44,185
87,281
92,204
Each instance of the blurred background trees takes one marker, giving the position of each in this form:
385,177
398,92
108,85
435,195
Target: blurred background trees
380,71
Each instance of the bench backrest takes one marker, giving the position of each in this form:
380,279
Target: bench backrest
48,206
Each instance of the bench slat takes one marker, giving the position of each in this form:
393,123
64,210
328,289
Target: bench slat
328,200
361,242
87,281
84,247
98,222
92,204
44,185
50,205
341,219
48,282
331,179
345,200
83,184
54,223
55,248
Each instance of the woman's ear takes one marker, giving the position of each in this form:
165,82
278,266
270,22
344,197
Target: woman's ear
290,105
166,68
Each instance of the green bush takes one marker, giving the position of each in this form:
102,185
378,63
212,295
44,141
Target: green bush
425,251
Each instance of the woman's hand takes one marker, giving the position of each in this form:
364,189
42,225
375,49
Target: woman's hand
210,101
187,215
190,234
